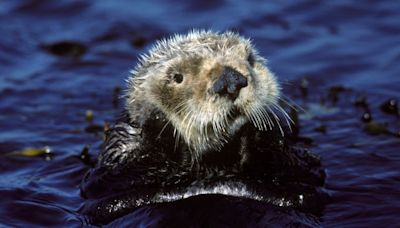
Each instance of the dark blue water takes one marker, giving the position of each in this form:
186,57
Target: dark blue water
59,59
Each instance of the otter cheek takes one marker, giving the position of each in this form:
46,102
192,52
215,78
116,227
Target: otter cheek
173,98
162,94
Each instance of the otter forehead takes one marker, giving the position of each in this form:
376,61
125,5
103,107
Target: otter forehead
204,42
198,43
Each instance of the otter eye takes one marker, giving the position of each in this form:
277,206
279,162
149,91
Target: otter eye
178,78
250,59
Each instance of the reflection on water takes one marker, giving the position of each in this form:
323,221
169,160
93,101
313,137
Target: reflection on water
59,59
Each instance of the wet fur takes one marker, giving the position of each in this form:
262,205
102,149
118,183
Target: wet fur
179,140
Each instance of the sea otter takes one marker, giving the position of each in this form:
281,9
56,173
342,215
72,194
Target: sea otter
202,117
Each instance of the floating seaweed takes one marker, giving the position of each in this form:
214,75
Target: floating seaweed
390,107
45,152
66,48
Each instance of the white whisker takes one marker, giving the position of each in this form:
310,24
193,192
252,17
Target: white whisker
257,118
285,115
277,120
270,122
289,102
177,136
263,119
163,128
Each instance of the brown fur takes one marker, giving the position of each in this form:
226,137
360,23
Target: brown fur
202,118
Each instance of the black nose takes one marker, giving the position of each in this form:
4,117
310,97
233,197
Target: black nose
230,83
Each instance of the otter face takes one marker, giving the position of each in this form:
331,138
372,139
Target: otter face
208,85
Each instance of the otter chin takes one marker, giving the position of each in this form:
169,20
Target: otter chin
208,85
202,117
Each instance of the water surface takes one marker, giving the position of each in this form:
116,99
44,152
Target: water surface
59,59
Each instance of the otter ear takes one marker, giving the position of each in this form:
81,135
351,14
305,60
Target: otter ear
251,59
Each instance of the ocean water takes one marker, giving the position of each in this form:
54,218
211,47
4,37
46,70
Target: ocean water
338,60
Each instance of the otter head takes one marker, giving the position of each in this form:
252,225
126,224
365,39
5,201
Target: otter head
207,84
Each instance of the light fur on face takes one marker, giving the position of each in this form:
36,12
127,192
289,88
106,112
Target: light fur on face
204,120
